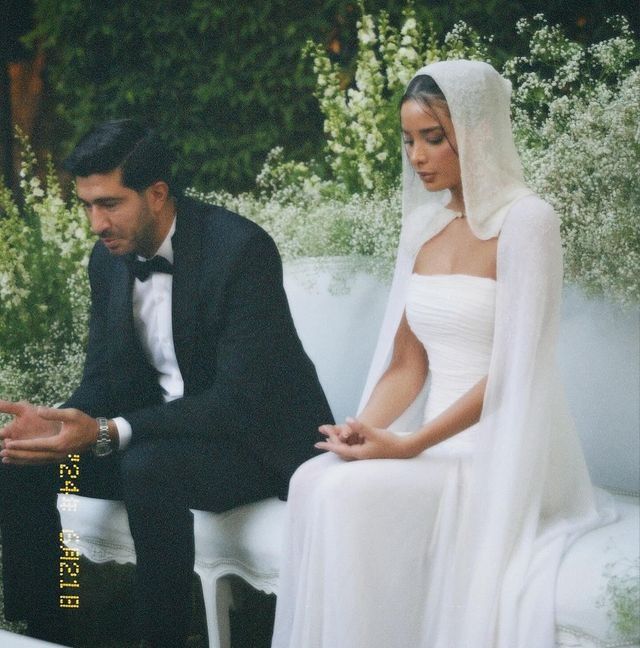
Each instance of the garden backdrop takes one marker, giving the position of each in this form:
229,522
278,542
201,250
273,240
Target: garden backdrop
286,111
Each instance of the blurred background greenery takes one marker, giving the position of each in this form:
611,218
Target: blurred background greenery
223,81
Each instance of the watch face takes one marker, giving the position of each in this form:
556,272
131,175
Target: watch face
102,449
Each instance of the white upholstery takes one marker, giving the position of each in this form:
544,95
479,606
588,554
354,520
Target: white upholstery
11,640
338,328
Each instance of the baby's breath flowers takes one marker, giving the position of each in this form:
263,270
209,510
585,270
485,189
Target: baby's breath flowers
311,217
576,113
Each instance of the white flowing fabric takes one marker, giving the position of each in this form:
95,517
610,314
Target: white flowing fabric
485,558
351,523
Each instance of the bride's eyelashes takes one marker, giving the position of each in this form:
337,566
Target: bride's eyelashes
429,140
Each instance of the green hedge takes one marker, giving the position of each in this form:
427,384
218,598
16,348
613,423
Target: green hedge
223,80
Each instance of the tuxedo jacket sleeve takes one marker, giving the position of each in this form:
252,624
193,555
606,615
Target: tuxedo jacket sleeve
244,369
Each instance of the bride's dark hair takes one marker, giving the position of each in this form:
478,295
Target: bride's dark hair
426,92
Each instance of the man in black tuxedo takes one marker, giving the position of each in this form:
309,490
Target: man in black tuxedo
196,391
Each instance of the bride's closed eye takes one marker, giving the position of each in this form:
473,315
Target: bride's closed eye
429,138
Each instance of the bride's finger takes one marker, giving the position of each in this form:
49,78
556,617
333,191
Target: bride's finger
359,428
345,432
324,429
343,450
330,432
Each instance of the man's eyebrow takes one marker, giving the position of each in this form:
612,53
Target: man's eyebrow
101,200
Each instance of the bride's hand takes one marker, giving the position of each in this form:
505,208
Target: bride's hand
340,433
362,441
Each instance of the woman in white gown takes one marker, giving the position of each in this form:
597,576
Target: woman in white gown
468,482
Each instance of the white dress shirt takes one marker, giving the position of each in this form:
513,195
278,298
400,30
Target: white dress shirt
152,321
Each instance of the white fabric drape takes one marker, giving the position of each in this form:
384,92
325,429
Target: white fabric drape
493,566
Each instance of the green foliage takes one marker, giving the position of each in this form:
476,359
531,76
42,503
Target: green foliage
44,246
622,598
557,74
223,81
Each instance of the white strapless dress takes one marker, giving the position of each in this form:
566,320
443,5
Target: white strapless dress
358,547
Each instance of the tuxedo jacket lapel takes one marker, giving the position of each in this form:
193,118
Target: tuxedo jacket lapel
120,314
186,271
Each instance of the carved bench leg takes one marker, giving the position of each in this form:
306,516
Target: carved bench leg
218,599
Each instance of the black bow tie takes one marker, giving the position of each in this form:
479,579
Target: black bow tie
142,269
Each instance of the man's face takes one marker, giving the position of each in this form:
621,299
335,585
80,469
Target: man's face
121,217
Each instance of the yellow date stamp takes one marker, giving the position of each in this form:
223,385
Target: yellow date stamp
69,560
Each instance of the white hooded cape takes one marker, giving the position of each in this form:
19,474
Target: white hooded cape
493,567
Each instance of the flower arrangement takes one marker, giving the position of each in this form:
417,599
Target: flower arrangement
311,217
621,597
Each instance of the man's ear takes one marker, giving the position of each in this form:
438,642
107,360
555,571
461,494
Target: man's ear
157,195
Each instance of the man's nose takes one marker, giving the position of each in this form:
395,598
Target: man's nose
97,221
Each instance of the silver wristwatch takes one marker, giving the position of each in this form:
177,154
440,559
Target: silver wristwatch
103,446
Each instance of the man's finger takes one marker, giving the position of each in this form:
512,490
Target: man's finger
23,457
44,444
7,431
57,414
9,407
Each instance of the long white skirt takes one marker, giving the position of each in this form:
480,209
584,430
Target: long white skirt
358,549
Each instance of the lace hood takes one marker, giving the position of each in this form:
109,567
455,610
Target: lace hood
478,99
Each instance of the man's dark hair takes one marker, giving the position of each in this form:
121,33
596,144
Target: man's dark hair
128,145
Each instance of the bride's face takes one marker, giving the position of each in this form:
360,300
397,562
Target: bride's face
430,142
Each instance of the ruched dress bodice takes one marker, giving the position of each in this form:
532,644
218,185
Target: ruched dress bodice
452,315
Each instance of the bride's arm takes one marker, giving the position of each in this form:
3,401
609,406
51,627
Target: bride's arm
377,443
400,383
396,389
463,413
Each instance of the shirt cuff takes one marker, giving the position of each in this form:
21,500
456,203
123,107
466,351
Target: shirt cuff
124,432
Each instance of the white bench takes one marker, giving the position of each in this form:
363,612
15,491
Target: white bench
338,328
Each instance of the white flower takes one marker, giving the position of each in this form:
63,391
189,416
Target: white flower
409,25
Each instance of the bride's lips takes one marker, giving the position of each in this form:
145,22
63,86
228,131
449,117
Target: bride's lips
427,177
